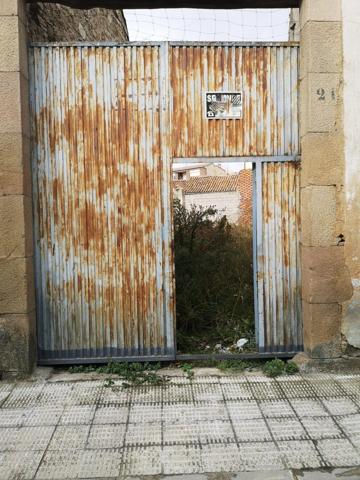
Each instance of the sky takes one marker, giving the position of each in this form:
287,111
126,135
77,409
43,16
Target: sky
189,24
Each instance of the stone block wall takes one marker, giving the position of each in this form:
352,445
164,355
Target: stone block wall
325,275
53,22
351,42
17,296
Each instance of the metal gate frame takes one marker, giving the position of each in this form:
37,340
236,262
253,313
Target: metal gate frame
258,266
257,161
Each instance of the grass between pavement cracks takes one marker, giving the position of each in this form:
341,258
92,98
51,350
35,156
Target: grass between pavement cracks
137,374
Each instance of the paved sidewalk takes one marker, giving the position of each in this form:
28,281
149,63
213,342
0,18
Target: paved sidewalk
80,429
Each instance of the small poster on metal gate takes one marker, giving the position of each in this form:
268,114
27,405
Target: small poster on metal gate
223,105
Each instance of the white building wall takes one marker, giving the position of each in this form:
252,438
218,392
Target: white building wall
228,203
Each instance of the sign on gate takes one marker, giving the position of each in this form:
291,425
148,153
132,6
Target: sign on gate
222,105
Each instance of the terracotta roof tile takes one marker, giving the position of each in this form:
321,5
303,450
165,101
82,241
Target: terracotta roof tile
227,183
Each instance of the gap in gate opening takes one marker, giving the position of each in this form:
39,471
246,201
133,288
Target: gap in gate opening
213,250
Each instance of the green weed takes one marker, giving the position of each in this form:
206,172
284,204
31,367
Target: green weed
132,374
291,368
187,368
274,368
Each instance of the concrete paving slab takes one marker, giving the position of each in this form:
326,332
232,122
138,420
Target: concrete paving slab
221,427
336,474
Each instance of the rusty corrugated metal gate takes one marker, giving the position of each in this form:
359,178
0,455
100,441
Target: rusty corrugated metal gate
108,120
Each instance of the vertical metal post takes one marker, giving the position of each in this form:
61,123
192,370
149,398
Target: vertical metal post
259,260
165,132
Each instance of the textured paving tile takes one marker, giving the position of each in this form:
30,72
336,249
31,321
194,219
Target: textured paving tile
300,454
286,429
69,437
340,406
61,464
142,461
205,379
143,434
266,391
237,391
85,393
260,456
323,427
181,459
207,393
177,394
55,394
194,412
100,463
5,390
19,465
143,395
351,385
216,431
220,458
243,409
307,407
350,424
338,452
213,424
145,414
77,415
280,408
23,395
297,389
326,388
112,414
43,415
176,433
25,438
226,379
114,396
252,430
106,436
13,417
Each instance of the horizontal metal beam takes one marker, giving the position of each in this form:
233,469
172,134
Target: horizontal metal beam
159,43
94,360
234,356
181,357
275,158
214,4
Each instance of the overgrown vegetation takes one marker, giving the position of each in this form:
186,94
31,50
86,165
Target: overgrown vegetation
276,367
132,374
214,280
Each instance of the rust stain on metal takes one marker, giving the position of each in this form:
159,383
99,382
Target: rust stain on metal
104,131
99,190
265,129
280,270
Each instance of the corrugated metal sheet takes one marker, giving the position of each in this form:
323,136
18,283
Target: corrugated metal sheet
278,257
101,164
107,119
267,76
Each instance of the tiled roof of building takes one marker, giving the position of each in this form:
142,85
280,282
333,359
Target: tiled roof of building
227,183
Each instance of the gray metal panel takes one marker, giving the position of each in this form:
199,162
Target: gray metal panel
278,261
101,170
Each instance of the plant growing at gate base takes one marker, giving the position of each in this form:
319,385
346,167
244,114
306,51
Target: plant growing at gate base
291,368
132,374
274,368
187,368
